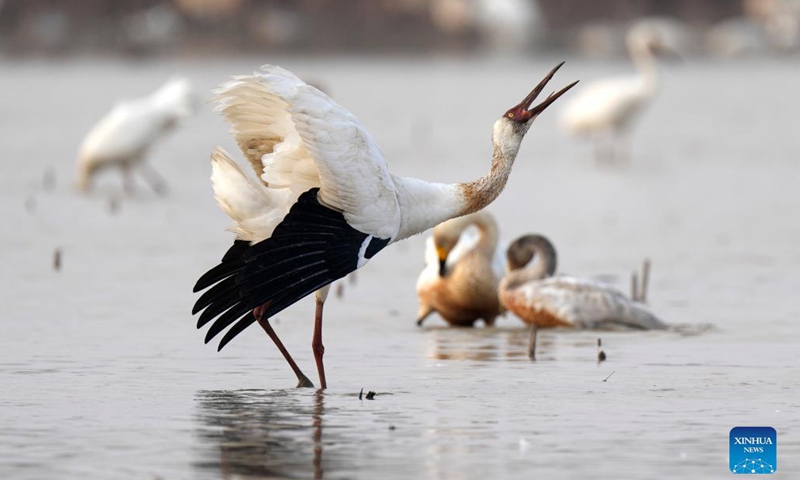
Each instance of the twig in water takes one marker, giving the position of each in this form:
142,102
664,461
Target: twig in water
609,375
57,259
645,279
361,394
30,204
635,286
113,204
49,179
601,355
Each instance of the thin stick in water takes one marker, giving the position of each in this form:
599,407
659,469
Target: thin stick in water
49,179
635,286
645,278
57,259
601,355
609,375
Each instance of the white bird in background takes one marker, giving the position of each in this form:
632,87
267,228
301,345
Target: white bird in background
463,269
545,301
125,135
326,202
606,109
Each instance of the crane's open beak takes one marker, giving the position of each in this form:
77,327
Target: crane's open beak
531,113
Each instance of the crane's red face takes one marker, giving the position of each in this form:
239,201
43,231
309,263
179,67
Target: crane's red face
523,113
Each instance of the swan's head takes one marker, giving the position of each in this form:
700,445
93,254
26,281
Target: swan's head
644,39
444,239
532,248
177,97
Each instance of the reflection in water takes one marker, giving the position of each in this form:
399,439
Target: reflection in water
262,434
482,344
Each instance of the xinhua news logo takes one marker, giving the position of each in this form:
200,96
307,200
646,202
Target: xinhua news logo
753,450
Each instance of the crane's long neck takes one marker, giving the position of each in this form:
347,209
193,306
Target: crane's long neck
425,205
483,191
645,63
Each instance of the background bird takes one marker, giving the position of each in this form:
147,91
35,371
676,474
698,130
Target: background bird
530,291
325,202
123,138
463,269
607,109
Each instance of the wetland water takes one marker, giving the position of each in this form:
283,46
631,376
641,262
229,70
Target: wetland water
104,376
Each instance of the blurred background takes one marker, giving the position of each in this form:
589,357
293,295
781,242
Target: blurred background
202,27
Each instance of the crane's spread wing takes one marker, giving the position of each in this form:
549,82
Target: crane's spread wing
312,247
304,139
586,303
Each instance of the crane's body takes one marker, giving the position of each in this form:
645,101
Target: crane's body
609,106
532,292
606,110
124,136
463,267
324,203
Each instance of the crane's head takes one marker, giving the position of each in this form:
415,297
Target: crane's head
645,39
523,114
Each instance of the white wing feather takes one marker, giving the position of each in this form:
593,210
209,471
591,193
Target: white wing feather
246,200
297,138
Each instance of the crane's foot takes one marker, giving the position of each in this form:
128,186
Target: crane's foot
304,382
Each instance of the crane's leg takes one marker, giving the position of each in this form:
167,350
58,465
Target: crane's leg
316,343
154,179
603,150
128,183
532,343
622,149
302,380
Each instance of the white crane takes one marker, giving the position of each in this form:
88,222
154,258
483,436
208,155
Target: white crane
607,109
125,135
545,301
326,202
463,268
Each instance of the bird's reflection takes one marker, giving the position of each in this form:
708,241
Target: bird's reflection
261,434
481,344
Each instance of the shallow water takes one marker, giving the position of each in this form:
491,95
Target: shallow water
104,376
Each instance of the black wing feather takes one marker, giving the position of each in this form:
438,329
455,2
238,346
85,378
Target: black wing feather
226,285
312,247
236,329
